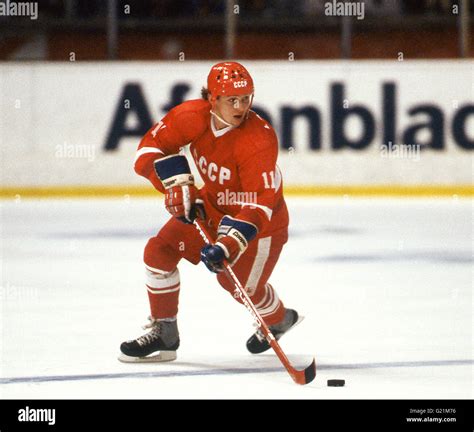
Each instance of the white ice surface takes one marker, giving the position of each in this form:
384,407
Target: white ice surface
385,285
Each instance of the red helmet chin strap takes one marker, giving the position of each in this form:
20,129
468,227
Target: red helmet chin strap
251,102
218,117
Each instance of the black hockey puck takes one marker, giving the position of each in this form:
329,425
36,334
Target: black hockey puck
336,383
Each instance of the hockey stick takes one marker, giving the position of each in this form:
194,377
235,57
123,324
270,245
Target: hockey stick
304,376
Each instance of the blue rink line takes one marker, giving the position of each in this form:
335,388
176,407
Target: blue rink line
230,371
430,256
141,234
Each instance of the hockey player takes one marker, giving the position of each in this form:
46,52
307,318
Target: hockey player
242,203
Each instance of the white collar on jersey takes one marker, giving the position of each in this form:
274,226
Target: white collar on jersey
219,132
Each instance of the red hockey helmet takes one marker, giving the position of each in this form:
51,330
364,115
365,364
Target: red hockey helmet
229,79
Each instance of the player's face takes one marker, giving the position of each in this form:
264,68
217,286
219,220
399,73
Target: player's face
233,109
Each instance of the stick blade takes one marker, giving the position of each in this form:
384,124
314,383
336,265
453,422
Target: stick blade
305,376
310,372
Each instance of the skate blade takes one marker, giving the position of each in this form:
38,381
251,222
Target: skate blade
298,321
162,356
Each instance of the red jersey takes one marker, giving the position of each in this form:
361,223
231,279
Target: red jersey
237,164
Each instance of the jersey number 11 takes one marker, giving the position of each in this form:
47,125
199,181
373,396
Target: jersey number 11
272,180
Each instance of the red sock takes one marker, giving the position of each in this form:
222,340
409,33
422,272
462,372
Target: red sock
163,293
268,304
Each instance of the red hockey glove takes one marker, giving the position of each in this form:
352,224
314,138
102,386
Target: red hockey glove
183,203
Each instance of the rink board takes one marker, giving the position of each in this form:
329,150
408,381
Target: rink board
76,126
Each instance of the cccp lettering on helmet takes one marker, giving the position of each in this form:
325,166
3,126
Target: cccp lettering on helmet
240,84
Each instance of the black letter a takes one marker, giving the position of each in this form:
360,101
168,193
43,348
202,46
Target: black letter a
131,101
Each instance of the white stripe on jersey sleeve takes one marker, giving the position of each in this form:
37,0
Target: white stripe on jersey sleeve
267,210
145,150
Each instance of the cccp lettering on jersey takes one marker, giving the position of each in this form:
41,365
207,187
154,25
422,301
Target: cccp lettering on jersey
213,171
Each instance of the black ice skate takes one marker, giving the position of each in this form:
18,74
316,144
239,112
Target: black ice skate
258,344
163,337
